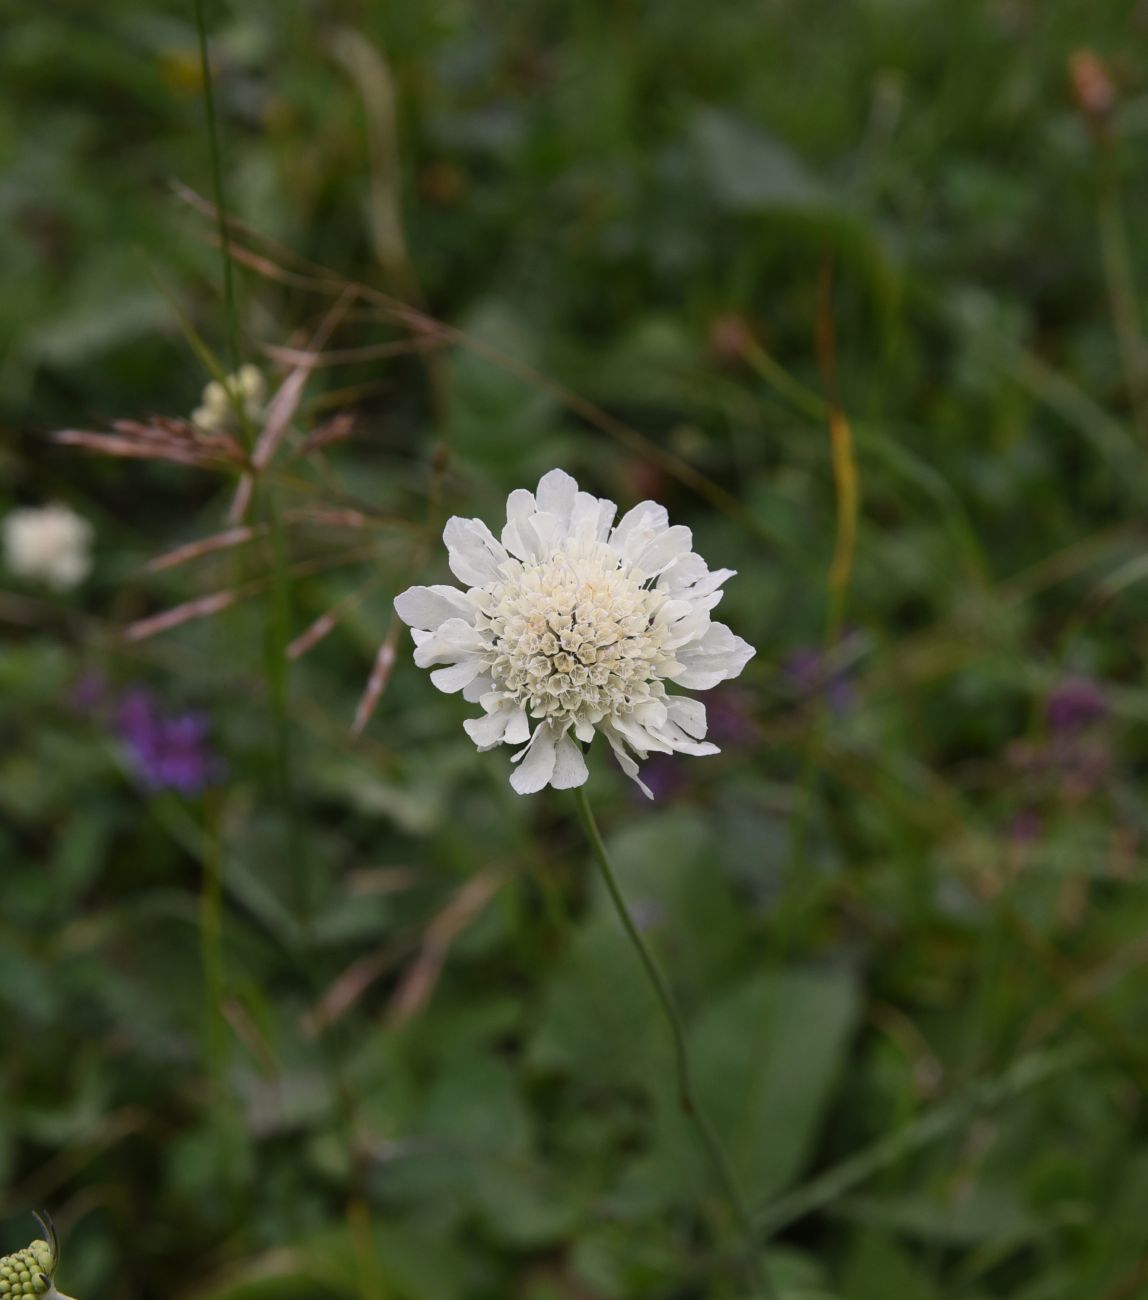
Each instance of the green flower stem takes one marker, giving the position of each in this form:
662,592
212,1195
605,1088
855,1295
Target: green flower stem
686,1095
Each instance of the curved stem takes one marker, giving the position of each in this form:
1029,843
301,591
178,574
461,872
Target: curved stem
686,1097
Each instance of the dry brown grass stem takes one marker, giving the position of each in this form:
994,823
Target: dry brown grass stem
282,407
326,623
380,675
420,981
178,441
337,429
202,607
224,541
346,991
229,538
351,356
322,280
206,606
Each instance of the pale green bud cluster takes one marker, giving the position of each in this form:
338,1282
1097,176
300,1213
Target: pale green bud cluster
30,1274
27,1274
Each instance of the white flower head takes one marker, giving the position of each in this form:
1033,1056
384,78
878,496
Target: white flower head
245,388
572,624
49,544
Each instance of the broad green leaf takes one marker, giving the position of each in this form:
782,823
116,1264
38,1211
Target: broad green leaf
767,1057
877,1270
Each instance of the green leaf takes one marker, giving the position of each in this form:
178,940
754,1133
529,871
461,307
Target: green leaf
600,1018
983,1214
766,1056
750,171
877,1270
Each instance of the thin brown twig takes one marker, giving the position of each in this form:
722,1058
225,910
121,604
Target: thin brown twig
326,623
226,540
351,356
350,986
201,607
321,279
110,444
205,606
420,981
380,676
282,408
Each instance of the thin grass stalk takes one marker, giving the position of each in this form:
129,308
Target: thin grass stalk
212,962
987,979
687,1096
422,325
1121,285
847,501
275,643
217,186
839,1180
211,902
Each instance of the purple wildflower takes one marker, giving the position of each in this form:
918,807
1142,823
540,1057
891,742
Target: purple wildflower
1075,703
166,752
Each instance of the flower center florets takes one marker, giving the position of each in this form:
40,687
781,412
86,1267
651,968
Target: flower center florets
576,635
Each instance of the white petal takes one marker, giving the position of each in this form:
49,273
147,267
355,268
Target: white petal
640,739
718,656
584,730
677,727
520,505
428,607
626,763
518,729
680,743
710,583
646,514
452,641
457,676
475,690
556,494
473,551
538,760
492,729
533,537
689,714
651,714
685,630
689,579
569,765
653,552
681,622
592,517
696,748
685,570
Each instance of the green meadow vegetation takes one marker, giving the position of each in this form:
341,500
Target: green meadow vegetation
299,1000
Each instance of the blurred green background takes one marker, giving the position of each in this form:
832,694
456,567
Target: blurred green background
354,1020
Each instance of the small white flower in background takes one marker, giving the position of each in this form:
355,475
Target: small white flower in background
217,412
570,626
50,544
